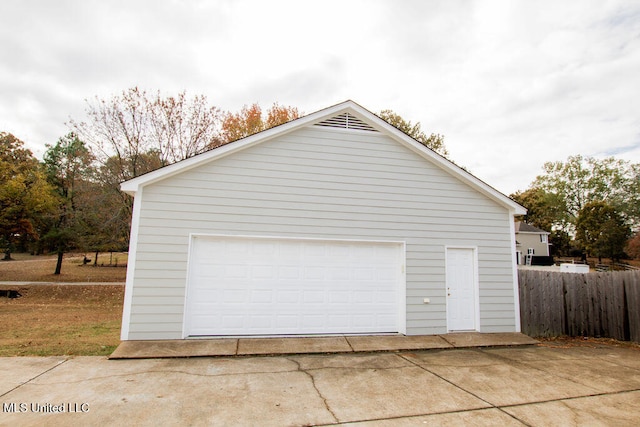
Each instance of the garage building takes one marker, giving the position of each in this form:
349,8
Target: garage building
334,223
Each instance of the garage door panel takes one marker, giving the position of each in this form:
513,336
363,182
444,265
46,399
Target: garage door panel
233,296
237,247
289,272
287,322
309,298
231,321
386,273
363,320
337,321
383,297
313,322
340,297
288,297
241,286
257,321
236,272
264,248
362,273
263,272
340,273
261,297
362,297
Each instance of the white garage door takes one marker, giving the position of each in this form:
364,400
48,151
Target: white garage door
269,286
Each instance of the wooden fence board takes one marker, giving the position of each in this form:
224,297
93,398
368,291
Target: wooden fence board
632,293
604,304
556,300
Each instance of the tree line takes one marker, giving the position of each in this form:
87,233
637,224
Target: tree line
71,200
591,206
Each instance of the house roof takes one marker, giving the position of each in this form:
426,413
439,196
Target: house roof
361,119
523,227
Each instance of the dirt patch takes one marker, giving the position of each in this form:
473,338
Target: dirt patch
28,268
566,342
61,320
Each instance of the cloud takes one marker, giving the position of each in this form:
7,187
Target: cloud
511,84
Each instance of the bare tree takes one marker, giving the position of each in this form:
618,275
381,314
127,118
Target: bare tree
182,128
127,129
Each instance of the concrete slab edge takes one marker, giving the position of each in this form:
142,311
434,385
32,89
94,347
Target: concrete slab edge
121,352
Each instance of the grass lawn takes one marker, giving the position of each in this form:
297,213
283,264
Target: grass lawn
40,268
53,319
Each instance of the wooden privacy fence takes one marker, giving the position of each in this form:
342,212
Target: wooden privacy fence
595,304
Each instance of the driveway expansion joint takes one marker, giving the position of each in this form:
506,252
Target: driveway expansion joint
444,337
37,376
349,343
563,399
463,389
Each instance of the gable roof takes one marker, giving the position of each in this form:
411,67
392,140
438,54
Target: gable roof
347,115
523,227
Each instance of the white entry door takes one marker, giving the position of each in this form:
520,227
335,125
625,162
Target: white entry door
461,289
279,286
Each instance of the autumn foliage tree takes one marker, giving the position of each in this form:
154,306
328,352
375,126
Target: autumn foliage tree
25,195
414,130
633,247
250,120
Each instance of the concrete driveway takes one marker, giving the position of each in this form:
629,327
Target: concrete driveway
510,386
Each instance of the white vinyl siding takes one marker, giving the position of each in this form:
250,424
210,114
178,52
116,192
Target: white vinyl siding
319,182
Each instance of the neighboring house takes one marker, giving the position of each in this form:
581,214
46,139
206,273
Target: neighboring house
335,223
530,242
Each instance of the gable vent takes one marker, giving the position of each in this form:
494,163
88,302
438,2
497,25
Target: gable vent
346,121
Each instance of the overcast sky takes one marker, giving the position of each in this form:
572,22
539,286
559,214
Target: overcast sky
510,84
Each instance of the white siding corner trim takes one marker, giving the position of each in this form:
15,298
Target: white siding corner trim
516,285
131,266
